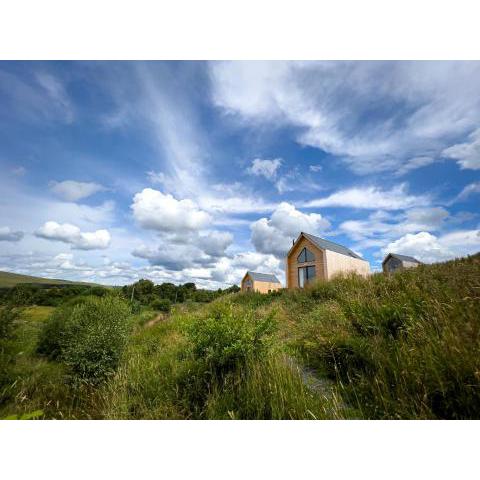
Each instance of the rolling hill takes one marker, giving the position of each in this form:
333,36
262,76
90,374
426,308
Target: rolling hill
9,279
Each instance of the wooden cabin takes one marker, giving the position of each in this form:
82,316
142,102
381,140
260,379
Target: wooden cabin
313,258
260,282
394,262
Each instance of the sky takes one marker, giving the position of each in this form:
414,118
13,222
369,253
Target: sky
199,171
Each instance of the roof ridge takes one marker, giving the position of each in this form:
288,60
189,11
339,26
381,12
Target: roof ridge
329,242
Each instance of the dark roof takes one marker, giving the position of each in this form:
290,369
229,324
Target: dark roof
334,247
402,258
263,277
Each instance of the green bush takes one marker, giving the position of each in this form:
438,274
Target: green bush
227,337
8,316
162,305
88,337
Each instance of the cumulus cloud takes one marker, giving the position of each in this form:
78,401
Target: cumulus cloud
73,191
467,154
68,233
396,198
155,210
429,248
177,252
265,168
274,235
215,243
9,235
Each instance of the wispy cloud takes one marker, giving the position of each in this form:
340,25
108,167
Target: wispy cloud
372,197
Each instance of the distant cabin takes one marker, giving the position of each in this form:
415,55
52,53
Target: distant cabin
394,262
313,258
260,282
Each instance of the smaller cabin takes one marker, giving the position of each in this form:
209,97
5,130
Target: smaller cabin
394,262
260,282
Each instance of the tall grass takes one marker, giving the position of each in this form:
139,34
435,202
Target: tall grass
401,346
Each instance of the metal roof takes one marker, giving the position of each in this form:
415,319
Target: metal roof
403,258
334,247
263,277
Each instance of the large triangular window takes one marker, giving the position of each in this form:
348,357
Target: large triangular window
306,256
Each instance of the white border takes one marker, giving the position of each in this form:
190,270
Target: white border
238,450
234,29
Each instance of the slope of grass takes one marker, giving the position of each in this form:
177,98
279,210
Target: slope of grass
400,346
9,279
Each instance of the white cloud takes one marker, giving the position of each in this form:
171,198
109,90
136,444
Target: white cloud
158,211
156,177
315,168
414,163
215,243
68,233
8,235
274,236
73,191
467,154
470,189
266,168
372,197
57,94
177,251
330,106
428,248
384,226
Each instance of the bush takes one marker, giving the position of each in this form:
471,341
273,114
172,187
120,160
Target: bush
162,305
227,337
88,337
8,317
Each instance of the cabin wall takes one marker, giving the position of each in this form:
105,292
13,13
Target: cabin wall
338,263
245,283
292,265
264,287
394,264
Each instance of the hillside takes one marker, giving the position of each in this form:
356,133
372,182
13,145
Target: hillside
9,279
403,346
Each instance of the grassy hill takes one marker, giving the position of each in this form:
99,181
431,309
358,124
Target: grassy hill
402,346
9,279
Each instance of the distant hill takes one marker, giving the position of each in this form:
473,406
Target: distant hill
9,279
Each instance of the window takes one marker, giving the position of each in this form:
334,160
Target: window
306,256
305,275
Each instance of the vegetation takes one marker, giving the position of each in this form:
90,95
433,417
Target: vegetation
146,293
399,346
9,279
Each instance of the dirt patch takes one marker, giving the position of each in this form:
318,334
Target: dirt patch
159,318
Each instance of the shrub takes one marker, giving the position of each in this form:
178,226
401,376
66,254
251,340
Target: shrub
88,337
227,336
8,317
162,305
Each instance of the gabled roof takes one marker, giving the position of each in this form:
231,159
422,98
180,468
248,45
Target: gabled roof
263,277
402,258
328,245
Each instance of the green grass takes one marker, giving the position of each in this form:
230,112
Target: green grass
403,346
10,279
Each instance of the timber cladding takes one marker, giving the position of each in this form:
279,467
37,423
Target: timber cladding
293,265
317,263
250,283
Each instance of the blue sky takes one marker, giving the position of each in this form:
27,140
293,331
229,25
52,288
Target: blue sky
198,171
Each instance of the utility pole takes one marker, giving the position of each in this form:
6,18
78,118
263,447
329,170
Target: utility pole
133,291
